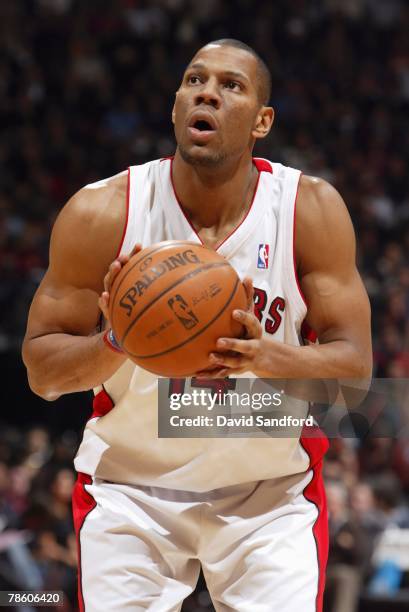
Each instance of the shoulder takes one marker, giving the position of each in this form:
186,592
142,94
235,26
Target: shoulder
100,202
97,207
318,201
90,226
323,223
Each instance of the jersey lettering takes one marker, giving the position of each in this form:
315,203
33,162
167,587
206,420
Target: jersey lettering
260,301
277,306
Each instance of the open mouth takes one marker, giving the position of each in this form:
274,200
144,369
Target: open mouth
202,126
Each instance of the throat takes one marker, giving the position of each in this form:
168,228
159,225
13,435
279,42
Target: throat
218,224
214,210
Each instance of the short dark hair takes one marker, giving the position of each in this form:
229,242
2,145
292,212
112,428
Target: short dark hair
263,72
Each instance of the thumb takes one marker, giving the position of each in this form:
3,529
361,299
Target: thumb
249,289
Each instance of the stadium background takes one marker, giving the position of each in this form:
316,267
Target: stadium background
86,89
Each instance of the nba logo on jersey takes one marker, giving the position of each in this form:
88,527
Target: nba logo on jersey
262,260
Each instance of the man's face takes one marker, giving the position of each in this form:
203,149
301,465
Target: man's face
217,106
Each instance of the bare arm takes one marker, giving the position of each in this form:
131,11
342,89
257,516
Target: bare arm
62,350
338,305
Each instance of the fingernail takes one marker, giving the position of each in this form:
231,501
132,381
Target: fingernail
222,343
237,314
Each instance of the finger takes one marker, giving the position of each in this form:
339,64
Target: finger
248,286
223,373
214,373
136,249
106,282
243,347
250,321
103,302
123,259
227,361
113,270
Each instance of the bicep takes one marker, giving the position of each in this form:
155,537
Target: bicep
83,243
338,305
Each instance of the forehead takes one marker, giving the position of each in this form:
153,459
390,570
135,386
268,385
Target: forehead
223,58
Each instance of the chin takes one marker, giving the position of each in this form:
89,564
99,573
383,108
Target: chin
201,156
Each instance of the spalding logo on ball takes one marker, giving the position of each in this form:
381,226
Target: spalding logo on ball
171,302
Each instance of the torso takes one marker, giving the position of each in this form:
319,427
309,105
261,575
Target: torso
123,445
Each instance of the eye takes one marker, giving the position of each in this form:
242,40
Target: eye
193,79
233,85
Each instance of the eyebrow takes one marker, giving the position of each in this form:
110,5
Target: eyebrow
230,73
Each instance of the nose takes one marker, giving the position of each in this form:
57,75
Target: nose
208,94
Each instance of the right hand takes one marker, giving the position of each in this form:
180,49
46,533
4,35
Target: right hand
113,270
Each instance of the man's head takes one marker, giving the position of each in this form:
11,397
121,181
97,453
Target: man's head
263,82
220,108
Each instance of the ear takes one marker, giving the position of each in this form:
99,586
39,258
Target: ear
264,121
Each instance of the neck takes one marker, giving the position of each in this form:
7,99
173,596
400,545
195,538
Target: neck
214,197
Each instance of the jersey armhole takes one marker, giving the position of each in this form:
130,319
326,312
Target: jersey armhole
122,242
292,281
297,280
308,335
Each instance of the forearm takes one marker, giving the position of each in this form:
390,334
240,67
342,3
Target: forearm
337,359
62,363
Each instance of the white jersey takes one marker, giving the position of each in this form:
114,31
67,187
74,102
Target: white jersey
120,442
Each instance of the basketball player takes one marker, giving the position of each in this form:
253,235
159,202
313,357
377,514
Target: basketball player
148,512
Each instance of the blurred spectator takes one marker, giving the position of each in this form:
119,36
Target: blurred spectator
348,544
389,502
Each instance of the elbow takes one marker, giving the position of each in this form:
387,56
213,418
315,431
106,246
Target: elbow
42,390
362,366
47,394
36,379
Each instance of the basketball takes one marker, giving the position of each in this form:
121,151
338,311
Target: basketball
171,302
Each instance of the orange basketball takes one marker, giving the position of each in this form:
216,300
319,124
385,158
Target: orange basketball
171,302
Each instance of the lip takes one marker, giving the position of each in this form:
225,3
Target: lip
201,136
200,115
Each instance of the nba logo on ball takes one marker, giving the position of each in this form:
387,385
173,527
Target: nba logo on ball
262,260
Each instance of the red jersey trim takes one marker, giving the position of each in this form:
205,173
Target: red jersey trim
102,404
245,216
82,504
262,165
127,214
316,447
307,333
294,257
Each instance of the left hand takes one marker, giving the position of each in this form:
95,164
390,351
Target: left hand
238,355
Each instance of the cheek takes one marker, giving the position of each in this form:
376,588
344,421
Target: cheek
181,113
240,123
181,103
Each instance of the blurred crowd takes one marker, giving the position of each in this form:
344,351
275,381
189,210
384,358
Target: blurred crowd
37,543
86,89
